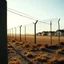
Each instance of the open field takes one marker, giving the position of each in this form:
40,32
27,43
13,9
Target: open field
24,53
39,39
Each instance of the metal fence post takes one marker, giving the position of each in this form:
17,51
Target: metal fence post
35,32
15,33
25,33
9,34
59,31
50,32
12,33
20,32
3,32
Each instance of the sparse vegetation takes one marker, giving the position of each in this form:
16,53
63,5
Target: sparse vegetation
60,51
62,43
53,60
39,53
39,59
13,40
42,48
29,55
26,45
61,61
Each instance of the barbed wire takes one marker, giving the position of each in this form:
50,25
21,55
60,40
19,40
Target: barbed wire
27,16
21,15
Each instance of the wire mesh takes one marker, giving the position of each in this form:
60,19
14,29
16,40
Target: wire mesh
42,36
23,33
30,33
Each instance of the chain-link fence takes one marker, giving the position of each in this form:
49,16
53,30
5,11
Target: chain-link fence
45,32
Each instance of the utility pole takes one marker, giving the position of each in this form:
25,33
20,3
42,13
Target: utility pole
35,32
3,32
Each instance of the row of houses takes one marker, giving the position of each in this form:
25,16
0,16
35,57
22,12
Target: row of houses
54,33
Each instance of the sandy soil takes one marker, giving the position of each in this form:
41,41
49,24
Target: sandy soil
36,53
39,39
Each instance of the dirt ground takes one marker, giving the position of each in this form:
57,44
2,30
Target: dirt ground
39,39
35,53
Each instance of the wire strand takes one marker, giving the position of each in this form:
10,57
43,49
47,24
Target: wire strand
21,15
32,18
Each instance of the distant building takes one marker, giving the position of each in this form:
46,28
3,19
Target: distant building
39,33
61,32
53,33
44,33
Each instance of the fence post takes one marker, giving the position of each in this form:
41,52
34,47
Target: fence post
20,32
9,34
3,32
12,33
15,33
25,33
51,32
35,32
59,31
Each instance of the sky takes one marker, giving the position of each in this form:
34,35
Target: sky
40,9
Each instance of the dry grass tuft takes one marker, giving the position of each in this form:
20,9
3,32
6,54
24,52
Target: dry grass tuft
21,43
40,59
17,44
42,48
60,61
46,45
60,51
14,62
62,43
29,55
38,45
43,55
34,48
10,49
26,45
8,44
13,40
30,63
53,60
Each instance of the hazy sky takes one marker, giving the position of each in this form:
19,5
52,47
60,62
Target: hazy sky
41,9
